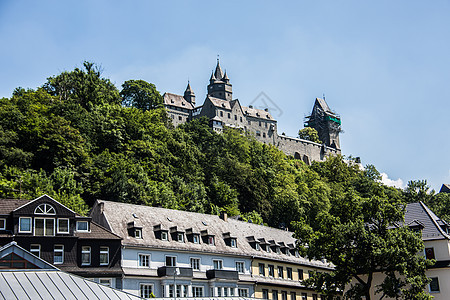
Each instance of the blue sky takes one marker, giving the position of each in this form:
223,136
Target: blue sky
382,65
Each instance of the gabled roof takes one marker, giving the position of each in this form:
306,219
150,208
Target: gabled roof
46,198
445,188
118,215
419,213
323,104
220,103
257,113
176,100
13,248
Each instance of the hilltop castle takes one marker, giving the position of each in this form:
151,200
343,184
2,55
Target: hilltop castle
222,110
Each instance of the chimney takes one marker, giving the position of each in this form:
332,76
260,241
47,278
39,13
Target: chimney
224,216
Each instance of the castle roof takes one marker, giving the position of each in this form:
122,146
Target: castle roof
218,74
118,215
176,100
257,113
188,89
323,104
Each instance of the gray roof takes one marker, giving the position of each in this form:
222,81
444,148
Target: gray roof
13,247
445,188
176,100
45,284
323,104
419,213
118,215
257,113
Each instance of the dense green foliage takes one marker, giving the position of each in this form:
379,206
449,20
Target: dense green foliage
356,233
310,134
78,139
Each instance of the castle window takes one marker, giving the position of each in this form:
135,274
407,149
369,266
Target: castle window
249,122
221,113
258,133
229,116
180,118
240,118
259,123
265,124
264,134
235,117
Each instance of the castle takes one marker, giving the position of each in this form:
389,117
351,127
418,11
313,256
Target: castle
222,110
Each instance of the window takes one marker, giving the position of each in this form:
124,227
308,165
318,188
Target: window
36,250
293,296
280,272
271,270
45,209
265,294
283,295
2,224
434,284
58,254
274,295
262,270
229,116
180,118
240,119
258,133
105,281
44,227
429,253
304,296
196,239
82,226
164,235
63,225
180,237
218,264
300,274
243,292
240,266
144,260
265,124
211,240
145,290
249,122
171,261
197,291
195,263
289,273
235,117
138,233
259,123
25,225
233,243
264,134
267,248
314,296
104,256
221,113
85,255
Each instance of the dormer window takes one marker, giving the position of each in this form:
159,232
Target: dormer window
233,243
160,232
138,233
180,237
82,226
164,235
45,209
2,224
257,247
211,240
196,239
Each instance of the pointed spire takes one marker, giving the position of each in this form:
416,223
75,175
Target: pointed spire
218,73
189,89
212,77
225,77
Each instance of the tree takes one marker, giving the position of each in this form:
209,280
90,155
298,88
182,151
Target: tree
310,134
140,94
357,234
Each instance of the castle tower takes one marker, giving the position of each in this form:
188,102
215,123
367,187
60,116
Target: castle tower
189,95
326,122
219,84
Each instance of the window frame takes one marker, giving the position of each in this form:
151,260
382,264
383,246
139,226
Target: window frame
180,237
104,253
144,260
164,236
271,269
173,261
46,210
262,267
38,248
195,261
68,226
429,251
245,290
4,223
45,226
86,250
30,224
145,285
199,287
196,238
59,250
280,272
233,243
106,279
437,282
289,273
219,264
239,269
82,230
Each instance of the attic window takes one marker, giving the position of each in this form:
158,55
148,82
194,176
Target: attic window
171,101
45,209
182,103
138,233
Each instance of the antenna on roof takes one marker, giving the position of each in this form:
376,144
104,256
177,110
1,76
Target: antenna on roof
217,57
323,96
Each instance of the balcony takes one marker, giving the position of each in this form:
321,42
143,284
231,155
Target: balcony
222,274
169,271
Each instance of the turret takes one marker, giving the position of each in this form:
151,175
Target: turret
219,84
189,95
326,122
